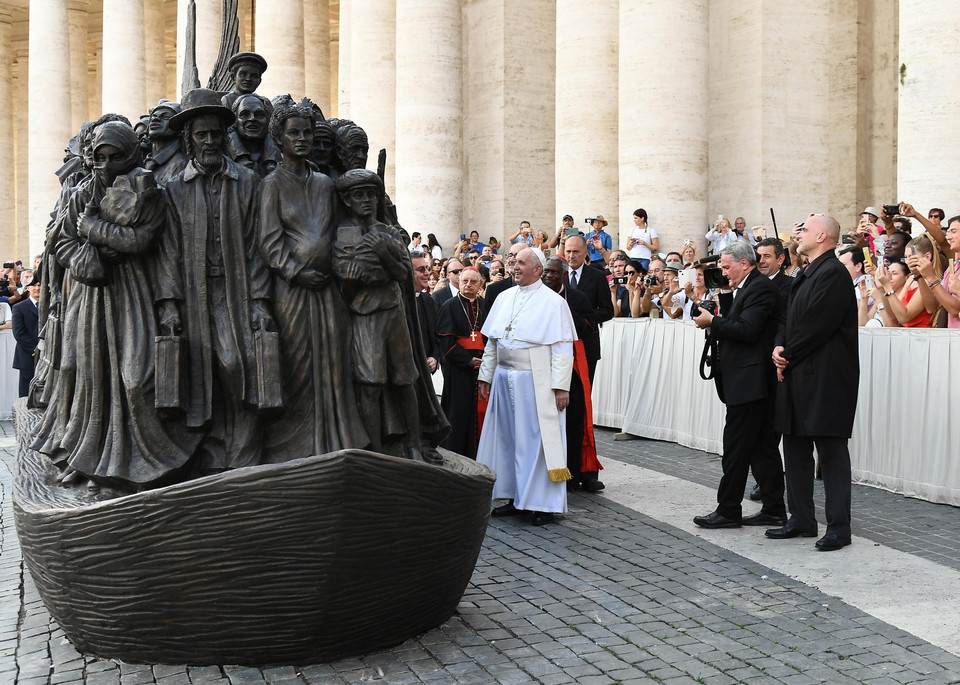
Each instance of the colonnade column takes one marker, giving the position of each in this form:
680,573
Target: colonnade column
278,36
663,116
343,61
77,13
429,110
48,99
316,52
587,144
208,37
8,211
123,64
927,161
155,54
373,44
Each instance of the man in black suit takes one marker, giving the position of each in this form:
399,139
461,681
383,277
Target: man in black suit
581,445
452,272
593,284
426,311
494,289
771,260
745,381
817,359
26,332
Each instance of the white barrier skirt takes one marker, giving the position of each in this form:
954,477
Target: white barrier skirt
648,384
9,376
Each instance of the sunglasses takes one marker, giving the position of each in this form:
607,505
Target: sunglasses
455,271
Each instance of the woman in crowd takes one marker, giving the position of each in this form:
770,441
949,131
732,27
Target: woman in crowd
690,254
720,235
796,261
894,295
432,280
643,241
434,247
695,292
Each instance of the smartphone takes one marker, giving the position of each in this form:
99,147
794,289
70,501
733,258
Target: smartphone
572,231
913,250
688,276
866,256
719,217
891,210
463,236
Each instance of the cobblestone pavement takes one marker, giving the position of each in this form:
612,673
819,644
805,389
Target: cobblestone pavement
608,595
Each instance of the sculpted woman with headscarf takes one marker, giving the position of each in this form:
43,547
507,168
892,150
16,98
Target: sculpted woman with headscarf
104,424
296,239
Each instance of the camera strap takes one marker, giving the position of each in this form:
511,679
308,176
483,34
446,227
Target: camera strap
708,358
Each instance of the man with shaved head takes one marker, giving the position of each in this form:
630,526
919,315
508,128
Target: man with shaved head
525,371
816,355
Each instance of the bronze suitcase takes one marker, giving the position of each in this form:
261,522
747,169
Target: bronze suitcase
269,390
168,374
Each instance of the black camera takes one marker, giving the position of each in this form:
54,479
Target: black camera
714,278
848,239
620,280
651,280
589,221
705,306
891,210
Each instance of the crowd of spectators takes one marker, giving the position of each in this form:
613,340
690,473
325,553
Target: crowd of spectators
899,261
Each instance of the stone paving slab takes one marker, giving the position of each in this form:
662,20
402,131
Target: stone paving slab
607,595
930,531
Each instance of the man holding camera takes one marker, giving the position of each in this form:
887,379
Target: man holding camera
746,381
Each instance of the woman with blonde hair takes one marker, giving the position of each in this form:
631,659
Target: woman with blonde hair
689,254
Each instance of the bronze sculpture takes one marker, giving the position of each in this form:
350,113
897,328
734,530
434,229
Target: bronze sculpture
212,283
227,345
248,142
296,238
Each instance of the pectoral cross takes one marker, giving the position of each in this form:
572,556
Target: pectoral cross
507,330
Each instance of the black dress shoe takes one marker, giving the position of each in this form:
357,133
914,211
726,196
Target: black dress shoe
542,518
573,485
755,495
593,485
715,520
789,531
831,542
505,510
763,519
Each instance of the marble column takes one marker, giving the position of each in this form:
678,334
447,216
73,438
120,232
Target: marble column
208,37
927,161
123,65
509,126
429,164
587,145
8,189
77,14
48,126
663,117
316,52
278,36
155,54
343,61
21,123
373,43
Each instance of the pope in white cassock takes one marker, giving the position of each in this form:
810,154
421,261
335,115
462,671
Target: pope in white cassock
526,370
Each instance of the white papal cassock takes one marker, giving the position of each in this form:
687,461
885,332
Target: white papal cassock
529,354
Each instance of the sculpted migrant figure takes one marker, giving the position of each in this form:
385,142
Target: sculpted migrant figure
247,70
248,142
374,270
296,239
166,158
324,153
107,427
212,283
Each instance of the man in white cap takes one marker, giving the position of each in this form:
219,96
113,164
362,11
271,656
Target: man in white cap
525,372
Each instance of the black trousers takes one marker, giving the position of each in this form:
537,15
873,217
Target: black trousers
750,442
835,469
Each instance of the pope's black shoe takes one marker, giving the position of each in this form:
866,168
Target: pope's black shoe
716,520
755,495
592,485
831,542
505,510
789,531
762,518
542,518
